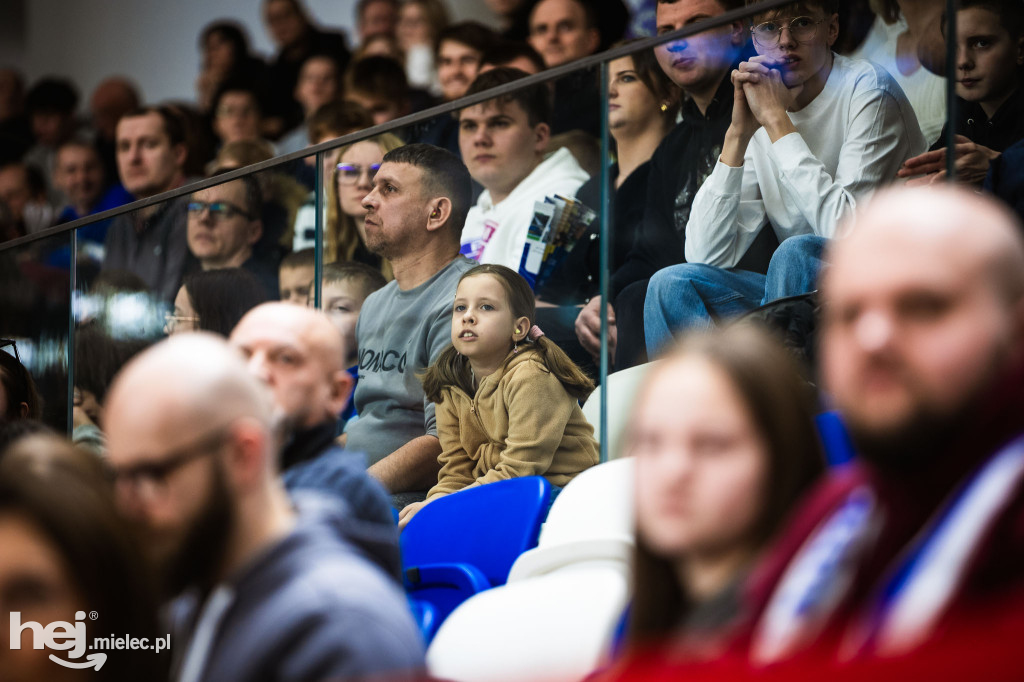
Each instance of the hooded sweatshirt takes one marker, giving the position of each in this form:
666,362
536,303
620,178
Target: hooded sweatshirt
310,607
521,422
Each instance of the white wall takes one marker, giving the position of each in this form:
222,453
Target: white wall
153,42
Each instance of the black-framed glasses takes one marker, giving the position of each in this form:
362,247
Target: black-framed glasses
150,478
219,210
349,173
4,343
769,33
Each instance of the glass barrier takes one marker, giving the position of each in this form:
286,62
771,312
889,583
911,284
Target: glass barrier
589,184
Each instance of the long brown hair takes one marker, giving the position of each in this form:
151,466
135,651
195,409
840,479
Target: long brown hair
452,369
781,403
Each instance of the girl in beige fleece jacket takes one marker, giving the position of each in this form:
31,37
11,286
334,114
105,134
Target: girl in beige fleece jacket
506,397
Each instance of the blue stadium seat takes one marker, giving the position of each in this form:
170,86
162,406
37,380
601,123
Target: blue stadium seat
466,542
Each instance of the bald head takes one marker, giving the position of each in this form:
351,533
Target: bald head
192,383
924,314
300,355
112,99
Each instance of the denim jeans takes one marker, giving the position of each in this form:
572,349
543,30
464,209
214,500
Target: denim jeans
695,296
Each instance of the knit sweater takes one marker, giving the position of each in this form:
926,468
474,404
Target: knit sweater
521,422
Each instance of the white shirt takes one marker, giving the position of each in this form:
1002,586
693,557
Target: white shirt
508,221
925,90
852,138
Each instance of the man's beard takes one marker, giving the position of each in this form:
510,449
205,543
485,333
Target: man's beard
200,555
927,434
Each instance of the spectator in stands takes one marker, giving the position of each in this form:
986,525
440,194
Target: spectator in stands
990,111
78,172
420,23
381,45
225,57
642,108
503,142
922,354
352,181
300,355
319,82
224,224
281,585
51,105
376,17
797,158
346,285
237,116
214,301
459,50
98,358
514,16
15,130
700,66
297,39
893,46
113,98
19,398
564,30
200,141
724,442
151,242
512,55
295,276
23,194
66,551
378,84
504,411
415,214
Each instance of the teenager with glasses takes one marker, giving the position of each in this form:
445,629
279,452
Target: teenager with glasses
812,133
351,180
224,224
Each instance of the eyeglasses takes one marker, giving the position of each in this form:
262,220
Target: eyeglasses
349,173
172,321
4,343
219,210
150,478
768,34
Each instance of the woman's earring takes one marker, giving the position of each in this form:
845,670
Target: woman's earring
515,347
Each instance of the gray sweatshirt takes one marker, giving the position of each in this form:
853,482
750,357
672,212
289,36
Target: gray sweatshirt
399,334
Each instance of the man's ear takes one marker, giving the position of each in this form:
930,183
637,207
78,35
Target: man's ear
23,410
833,29
341,389
739,33
542,133
593,40
180,155
255,231
245,459
439,210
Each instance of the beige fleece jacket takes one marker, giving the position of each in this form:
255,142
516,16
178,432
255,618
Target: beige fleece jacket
521,422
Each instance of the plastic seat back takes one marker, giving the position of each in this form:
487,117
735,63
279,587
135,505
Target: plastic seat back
622,390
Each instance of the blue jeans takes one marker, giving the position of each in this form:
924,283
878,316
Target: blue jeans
695,296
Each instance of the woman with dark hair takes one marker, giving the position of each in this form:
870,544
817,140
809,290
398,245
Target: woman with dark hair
67,553
224,47
214,301
642,108
19,398
725,445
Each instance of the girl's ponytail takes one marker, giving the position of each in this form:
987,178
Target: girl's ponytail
576,383
450,369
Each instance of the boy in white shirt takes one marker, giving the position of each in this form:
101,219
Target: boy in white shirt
503,143
812,132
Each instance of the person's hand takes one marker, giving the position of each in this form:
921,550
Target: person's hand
768,97
972,164
408,512
588,328
744,123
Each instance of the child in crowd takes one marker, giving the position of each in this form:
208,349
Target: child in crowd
345,286
990,100
295,276
506,396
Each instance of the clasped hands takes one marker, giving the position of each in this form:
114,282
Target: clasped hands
972,164
761,98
